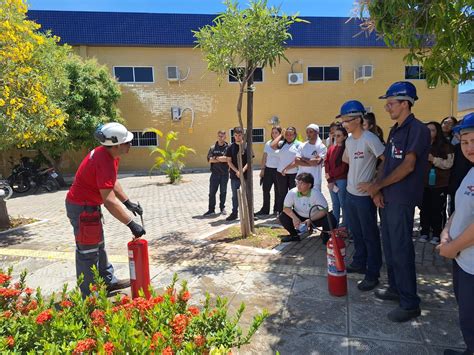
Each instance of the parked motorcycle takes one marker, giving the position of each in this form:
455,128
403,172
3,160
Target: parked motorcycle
27,175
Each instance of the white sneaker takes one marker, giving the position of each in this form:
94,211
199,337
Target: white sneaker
423,238
223,212
435,240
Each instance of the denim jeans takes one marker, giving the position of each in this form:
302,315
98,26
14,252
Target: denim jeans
216,182
235,185
339,200
397,229
361,215
463,284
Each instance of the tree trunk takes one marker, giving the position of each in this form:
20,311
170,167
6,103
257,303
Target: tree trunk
55,163
250,89
4,218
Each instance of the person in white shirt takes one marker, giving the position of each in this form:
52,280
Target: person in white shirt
286,146
457,241
311,155
297,207
268,174
363,148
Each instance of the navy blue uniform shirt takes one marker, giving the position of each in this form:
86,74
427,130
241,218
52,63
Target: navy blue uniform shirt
411,136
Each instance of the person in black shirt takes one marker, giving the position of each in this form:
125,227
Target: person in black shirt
219,173
232,154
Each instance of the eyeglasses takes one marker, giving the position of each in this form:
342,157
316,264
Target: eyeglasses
389,105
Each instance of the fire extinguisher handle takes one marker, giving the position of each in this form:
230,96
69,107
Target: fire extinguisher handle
141,216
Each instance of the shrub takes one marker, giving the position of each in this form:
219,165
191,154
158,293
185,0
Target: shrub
162,324
169,159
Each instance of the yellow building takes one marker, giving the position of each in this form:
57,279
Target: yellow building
163,76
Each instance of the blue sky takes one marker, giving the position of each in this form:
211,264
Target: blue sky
303,7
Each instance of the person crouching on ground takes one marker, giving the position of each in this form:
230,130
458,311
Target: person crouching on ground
95,184
297,208
457,241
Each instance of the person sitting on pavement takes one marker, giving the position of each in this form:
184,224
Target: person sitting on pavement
297,209
363,149
457,241
311,155
396,191
219,173
96,183
268,175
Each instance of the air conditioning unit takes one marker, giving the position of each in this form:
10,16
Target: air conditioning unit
295,78
172,73
364,72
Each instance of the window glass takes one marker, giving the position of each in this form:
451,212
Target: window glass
414,72
331,73
237,73
143,74
315,73
124,74
144,139
258,135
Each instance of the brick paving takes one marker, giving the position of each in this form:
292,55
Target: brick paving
291,282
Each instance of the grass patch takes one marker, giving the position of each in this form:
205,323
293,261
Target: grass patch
265,237
19,222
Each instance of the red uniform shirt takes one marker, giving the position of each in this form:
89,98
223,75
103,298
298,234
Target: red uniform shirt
98,171
335,172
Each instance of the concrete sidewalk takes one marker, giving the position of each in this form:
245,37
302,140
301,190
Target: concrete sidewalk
290,283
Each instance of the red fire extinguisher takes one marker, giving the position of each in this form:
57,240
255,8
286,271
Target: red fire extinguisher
337,276
139,266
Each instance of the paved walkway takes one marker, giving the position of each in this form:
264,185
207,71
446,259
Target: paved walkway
291,282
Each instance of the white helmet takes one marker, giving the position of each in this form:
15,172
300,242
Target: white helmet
113,134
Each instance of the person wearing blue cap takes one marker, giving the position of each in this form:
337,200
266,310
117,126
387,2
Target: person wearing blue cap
363,149
457,241
396,191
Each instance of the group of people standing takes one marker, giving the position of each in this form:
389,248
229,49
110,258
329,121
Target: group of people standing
417,166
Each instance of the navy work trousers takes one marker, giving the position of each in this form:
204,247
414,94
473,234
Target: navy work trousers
217,182
463,284
361,215
397,230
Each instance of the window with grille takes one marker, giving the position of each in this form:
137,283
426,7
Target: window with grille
258,135
323,132
323,74
144,139
235,74
414,72
134,74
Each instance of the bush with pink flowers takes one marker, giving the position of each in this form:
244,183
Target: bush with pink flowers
162,324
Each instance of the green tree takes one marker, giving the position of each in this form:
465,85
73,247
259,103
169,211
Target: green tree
439,34
32,83
169,160
92,97
245,39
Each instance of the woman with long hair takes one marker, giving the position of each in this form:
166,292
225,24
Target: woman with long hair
286,146
336,173
268,174
370,124
433,207
447,125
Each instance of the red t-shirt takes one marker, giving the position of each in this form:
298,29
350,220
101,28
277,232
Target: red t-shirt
98,171
335,172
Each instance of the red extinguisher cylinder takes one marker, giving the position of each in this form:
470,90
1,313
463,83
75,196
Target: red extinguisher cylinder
139,267
337,276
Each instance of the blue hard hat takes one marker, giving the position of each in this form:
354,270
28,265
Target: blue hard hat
467,123
401,90
352,108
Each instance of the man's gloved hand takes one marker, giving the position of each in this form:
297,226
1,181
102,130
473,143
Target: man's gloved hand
135,208
137,230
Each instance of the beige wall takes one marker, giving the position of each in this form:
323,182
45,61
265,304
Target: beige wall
148,105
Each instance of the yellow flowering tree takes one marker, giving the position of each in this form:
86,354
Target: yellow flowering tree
32,84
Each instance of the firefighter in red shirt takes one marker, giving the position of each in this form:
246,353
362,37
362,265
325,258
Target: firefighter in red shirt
95,184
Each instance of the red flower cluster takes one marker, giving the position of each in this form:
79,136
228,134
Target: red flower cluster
109,348
193,310
44,316
4,278
180,322
98,318
9,292
186,296
85,345
167,351
66,304
199,340
10,341
7,314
